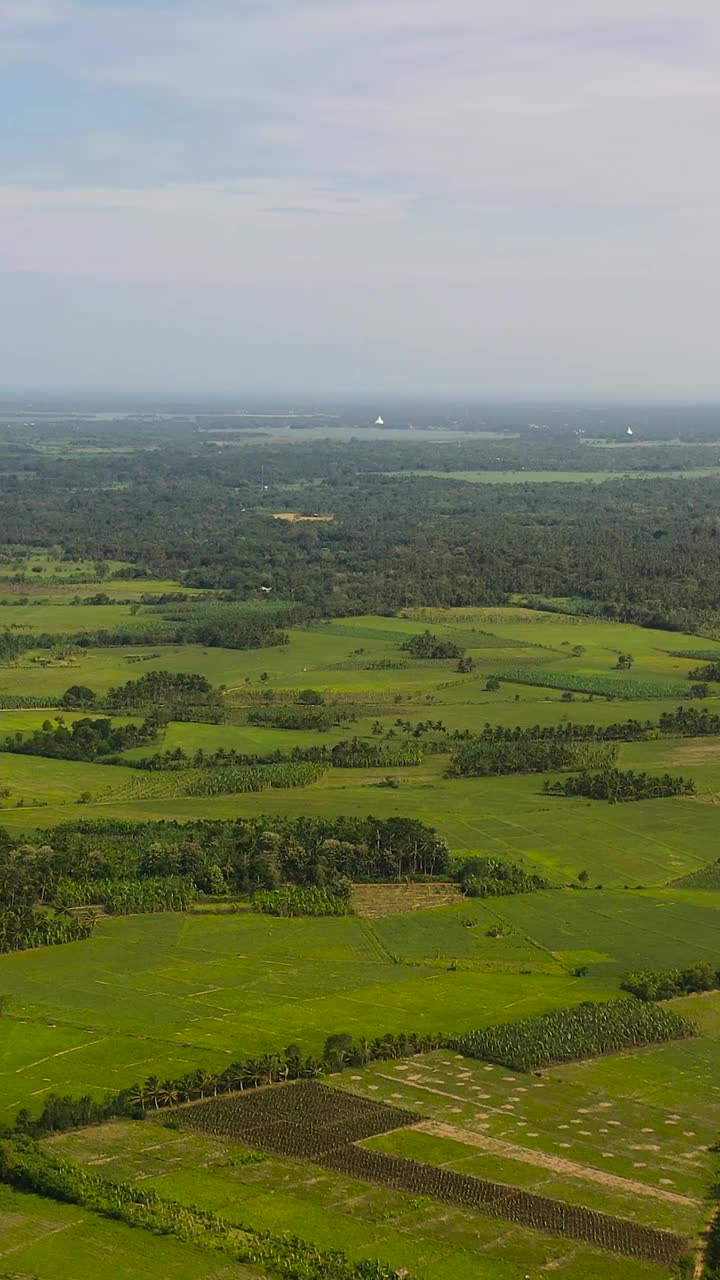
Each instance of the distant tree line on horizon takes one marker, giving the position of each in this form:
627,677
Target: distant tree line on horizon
638,552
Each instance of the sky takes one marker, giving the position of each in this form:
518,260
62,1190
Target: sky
466,197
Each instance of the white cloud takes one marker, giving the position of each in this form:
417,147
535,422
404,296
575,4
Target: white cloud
477,153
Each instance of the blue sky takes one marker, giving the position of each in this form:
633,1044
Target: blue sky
467,197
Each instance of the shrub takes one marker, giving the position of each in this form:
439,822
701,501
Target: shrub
294,900
482,757
429,646
663,984
619,786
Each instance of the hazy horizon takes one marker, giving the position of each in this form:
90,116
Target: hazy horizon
474,201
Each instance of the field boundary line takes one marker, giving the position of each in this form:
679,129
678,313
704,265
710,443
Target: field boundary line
28,1244
376,943
702,1249
557,1164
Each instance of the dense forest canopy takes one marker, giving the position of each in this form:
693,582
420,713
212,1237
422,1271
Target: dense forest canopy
203,511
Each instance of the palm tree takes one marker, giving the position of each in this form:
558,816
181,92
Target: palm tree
152,1087
185,1087
139,1096
270,1067
168,1093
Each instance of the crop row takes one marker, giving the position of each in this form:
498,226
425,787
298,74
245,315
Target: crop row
586,1031
301,900
510,1203
619,686
303,1119
481,757
237,778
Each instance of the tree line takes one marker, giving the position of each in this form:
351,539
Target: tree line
619,786
84,739
631,551
664,984
484,757
236,856
356,753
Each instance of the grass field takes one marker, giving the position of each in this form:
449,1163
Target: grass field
43,1240
650,842
431,1240
61,617
166,993
564,1130
611,932
57,782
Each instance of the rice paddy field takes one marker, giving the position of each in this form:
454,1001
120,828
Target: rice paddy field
161,995
165,993
45,1240
411,1233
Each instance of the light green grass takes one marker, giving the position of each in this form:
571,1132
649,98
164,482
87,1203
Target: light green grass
431,1240
43,1240
460,933
591,1121
67,618
165,993
650,842
611,932
53,782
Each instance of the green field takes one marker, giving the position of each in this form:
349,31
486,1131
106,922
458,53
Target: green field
432,1241
564,1128
166,993
647,843
45,1240
610,932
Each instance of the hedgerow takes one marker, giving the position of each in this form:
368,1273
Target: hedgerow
509,1203
480,757
490,878
620,786
663,984
26,1167
300,717
586,1031
357,753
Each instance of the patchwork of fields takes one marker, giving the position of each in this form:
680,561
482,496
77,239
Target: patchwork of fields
627,1136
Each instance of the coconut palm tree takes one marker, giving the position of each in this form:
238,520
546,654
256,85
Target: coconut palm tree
139,1096
152,1088
168,1094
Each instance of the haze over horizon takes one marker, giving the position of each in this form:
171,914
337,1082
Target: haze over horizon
464,200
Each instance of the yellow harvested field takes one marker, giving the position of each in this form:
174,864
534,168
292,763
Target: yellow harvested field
294,517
